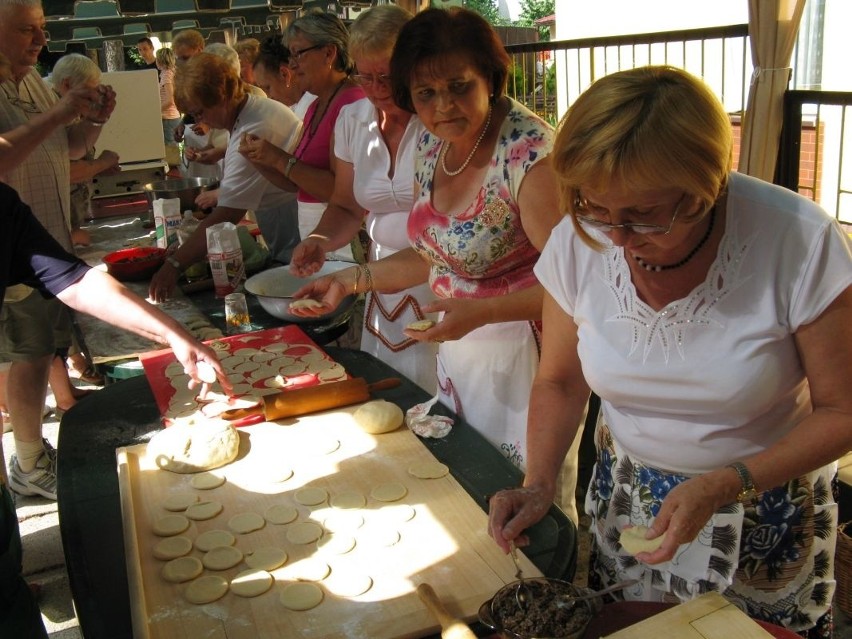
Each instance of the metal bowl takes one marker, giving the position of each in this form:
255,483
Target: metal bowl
274,290
489,613
186,189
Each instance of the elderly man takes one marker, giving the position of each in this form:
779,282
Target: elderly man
28,253
39,135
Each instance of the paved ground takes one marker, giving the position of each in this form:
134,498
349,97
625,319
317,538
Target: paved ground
44,562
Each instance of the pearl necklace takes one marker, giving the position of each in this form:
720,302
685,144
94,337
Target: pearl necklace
446,150
665,267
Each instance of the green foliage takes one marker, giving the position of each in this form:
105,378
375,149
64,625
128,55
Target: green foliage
532,10
487,9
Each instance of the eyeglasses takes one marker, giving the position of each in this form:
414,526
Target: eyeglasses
27,106
381,80
593,224
296,56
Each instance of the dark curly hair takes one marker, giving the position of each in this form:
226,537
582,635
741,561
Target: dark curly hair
272,53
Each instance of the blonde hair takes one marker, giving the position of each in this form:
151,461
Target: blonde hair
648,128
166,57
375,30
188,38
247,49
207,80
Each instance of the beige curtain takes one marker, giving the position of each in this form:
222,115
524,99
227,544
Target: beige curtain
772,27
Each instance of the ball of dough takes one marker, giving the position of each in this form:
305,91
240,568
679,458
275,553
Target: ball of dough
192,448
379,416
633,540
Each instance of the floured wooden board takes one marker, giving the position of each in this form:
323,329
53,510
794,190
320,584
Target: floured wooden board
445,543
710,616
259,363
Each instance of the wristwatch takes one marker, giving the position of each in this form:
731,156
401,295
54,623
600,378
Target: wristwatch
291,162
171,259
748,493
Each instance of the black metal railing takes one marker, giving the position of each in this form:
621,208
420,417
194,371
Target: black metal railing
548,76
816,127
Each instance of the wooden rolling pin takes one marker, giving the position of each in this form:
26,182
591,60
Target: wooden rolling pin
451,628
303,401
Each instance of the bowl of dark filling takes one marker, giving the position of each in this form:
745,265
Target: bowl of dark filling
539,609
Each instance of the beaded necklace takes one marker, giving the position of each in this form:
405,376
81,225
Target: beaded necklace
446,150
656,268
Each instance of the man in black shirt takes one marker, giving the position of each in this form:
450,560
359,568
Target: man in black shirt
145,47
30,255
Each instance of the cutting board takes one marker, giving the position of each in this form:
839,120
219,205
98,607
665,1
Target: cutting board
445,544
710,616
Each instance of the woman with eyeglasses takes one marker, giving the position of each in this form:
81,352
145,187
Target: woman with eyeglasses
210,89
321,64
484,205
712,314
379,182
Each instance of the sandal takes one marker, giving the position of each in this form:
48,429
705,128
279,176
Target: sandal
92,376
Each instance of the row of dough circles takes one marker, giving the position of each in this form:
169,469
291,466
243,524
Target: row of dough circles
255,372
342,528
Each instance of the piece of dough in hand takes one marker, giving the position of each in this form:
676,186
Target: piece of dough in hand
379,416
421,325
633,540
305,303
192,448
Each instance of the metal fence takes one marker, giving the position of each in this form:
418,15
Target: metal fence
548,76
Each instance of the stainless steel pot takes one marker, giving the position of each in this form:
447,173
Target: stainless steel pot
186,189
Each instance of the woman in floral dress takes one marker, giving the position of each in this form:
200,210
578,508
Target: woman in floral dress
485,203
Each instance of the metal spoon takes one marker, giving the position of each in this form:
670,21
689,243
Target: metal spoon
570,602
523,596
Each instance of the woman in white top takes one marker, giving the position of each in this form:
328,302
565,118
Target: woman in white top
712,314
374,144
210,90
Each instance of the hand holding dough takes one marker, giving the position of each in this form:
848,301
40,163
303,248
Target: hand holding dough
633,540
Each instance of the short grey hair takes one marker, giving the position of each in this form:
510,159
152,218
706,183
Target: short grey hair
226,52
323,28
77,69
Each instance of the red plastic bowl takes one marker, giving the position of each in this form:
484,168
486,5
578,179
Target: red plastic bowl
132,264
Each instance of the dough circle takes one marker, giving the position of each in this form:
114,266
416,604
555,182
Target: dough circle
191,448
397,513
379,416
206,589
428,470
266,558
209,540
206,481
301,596
182,569
179,501
308,569
306,303
392,491
204,510
172,548
304,532
633,540
222,558
335,544
280,514
343,521
311,496
170,525
206,373
251,583
348,499
421,325
348,584
246,522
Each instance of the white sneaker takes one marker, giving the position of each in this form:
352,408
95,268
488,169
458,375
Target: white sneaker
41,480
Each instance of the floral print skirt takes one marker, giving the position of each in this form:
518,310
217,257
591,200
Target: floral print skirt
774,559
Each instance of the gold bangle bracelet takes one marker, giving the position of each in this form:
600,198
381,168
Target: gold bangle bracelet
369,277
357,279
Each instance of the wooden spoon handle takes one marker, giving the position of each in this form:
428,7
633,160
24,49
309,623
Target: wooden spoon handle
451,628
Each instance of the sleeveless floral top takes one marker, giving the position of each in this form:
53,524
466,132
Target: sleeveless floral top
483,251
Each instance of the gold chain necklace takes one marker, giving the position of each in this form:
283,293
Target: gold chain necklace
446,150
